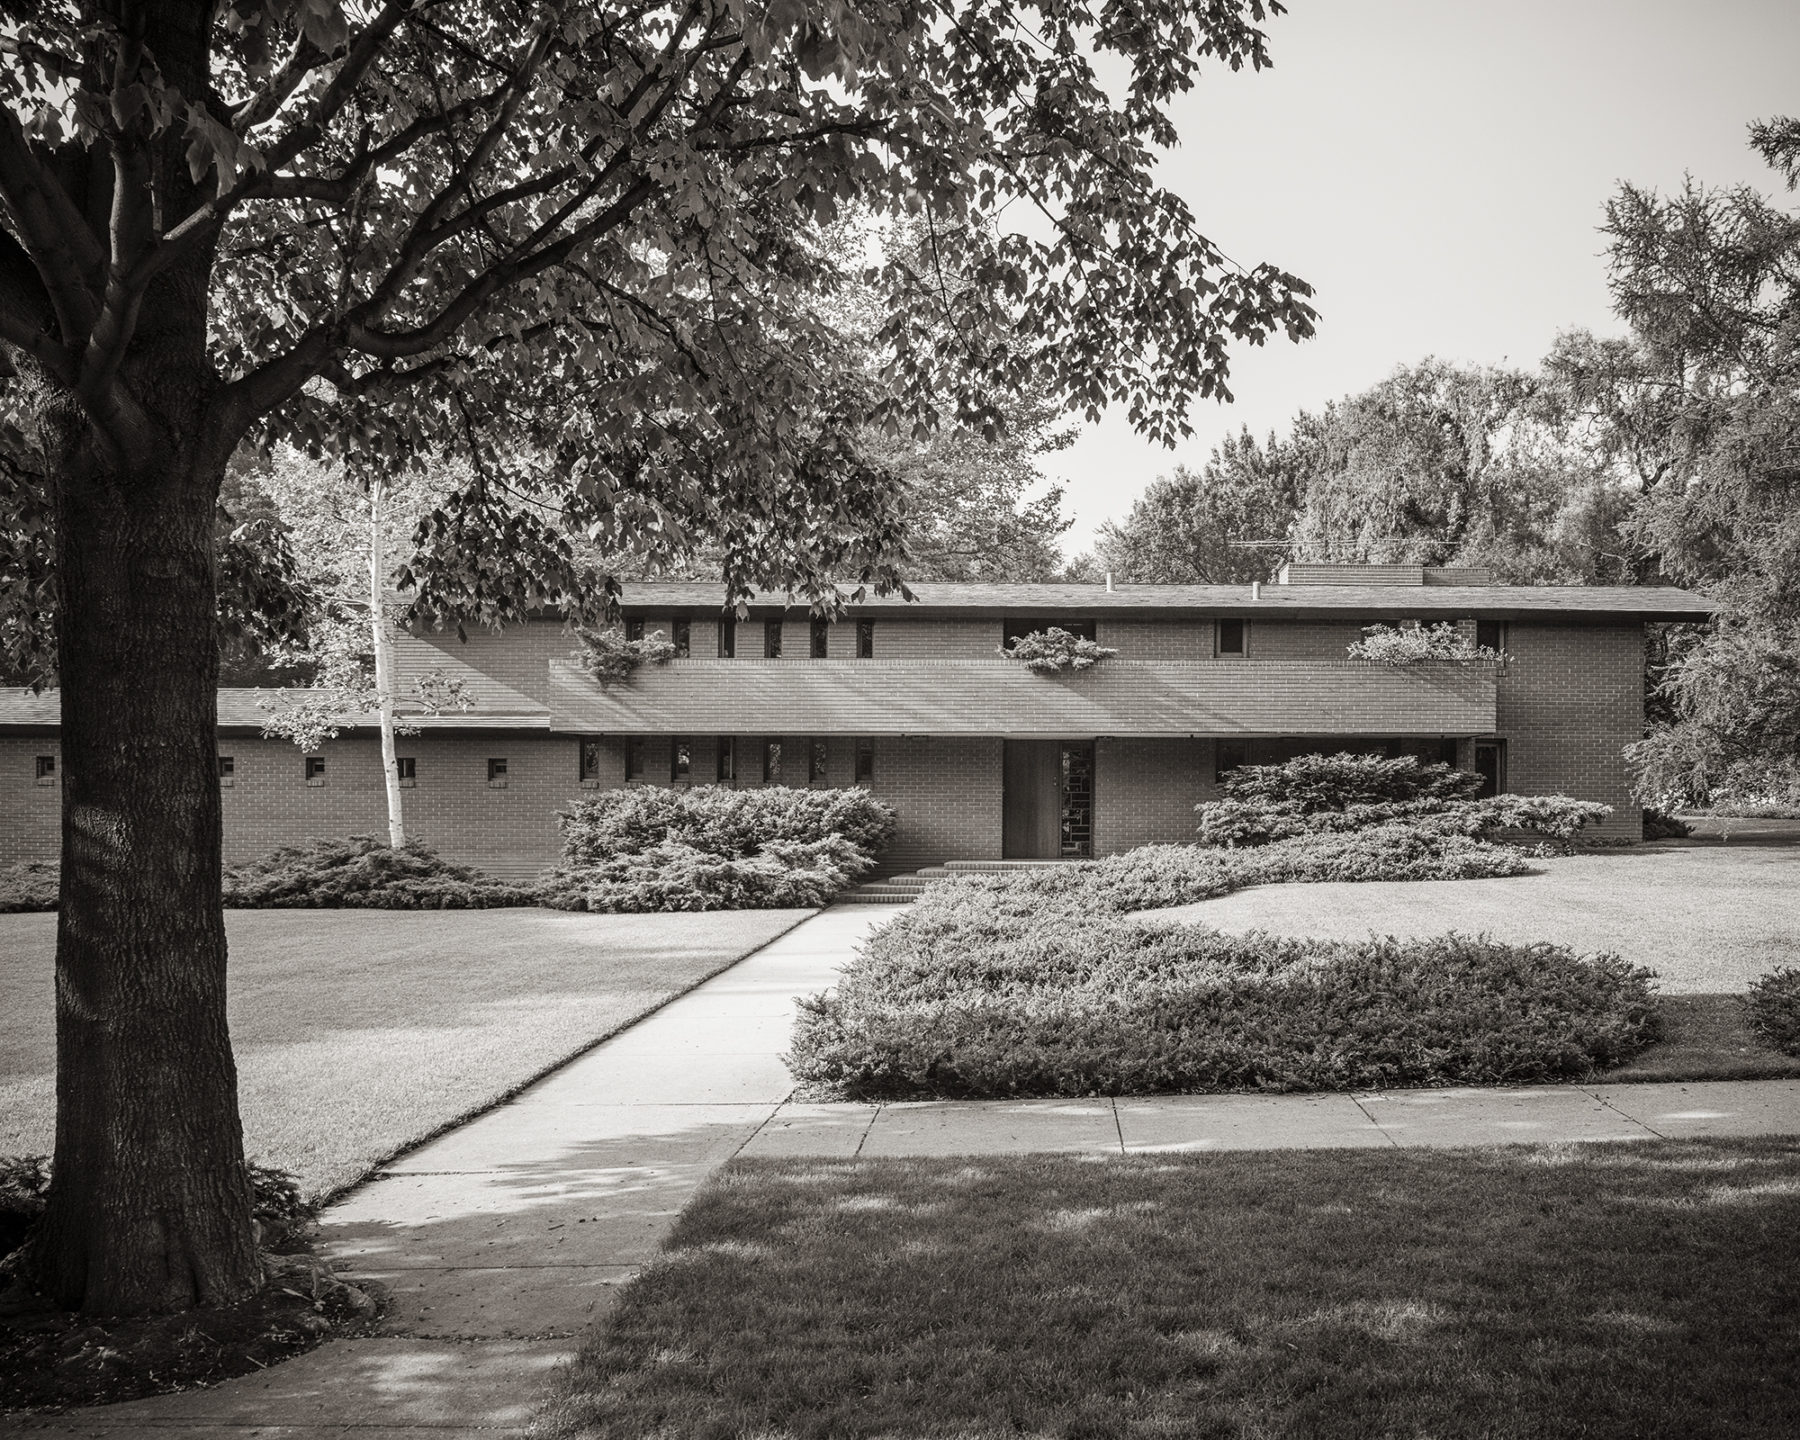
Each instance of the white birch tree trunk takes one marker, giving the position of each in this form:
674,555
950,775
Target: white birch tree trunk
384,665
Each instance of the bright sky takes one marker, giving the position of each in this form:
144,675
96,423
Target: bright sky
1437,170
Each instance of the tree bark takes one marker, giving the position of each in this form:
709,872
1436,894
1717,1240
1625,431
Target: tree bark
384,664
149,1206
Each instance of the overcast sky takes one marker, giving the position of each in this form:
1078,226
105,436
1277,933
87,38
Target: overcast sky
1437,170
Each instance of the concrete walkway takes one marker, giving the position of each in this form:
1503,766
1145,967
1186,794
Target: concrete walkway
504,1239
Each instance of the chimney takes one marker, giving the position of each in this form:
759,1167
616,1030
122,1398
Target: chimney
1109,589
1256,589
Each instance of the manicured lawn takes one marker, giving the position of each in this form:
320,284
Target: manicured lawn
1595,1291
358,1032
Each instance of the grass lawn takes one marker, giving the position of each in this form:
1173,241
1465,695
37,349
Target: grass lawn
1597,1291
1708,920
359,1032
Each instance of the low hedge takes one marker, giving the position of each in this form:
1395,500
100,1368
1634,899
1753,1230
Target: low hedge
784,874
1772,1007
28,886
364,872
971,1005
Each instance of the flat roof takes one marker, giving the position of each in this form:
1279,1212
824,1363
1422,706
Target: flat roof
1640,602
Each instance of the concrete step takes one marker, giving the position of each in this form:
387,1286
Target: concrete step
991,867
878,895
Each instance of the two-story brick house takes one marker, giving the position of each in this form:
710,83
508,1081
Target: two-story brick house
982,758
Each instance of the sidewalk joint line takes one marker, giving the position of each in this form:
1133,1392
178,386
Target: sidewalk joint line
761,1125
1118,1125
1356,1100
1622,1115
863,1139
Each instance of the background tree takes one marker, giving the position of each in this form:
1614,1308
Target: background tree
568,238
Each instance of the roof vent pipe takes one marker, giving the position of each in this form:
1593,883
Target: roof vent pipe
1256,589
1109,589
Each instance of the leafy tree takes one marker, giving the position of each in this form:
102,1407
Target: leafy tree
568,241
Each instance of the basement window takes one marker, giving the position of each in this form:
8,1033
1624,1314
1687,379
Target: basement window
315,769
496,774
406,767
227,772
46,769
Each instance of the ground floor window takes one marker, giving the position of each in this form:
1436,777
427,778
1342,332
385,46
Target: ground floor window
1490,765
865,762
681,761
771,762
727,769
1078,800
407,768
496,774
818,765
637,758
590,759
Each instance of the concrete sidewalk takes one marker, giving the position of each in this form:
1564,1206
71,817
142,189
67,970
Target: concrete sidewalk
502,1240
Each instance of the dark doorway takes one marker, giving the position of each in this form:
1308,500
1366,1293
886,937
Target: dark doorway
1490,765
1049,804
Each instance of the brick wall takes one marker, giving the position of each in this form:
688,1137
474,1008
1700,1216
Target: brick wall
30,813
1145,791
1570,701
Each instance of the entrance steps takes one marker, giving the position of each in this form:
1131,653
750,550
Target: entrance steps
904,889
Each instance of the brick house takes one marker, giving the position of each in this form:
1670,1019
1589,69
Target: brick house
981,758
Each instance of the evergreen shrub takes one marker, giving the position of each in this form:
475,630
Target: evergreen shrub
1773,1008
364,872
31,885
609,657
1045,652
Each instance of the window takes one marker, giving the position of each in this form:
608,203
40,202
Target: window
821,639
46,769
407,768
865,762
1015,627
227,771
1228,756
727,637
1232,639
771,762
771,639
1490,634
496,774
683,636
590,762
315,769
818,762
636,757
681,761
634,628
865,639
1490,765
727,771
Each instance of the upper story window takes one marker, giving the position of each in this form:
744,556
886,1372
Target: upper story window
46,769
727,770
406,767
315,769
636,757
821,639
681,761
682,637
496,774
1490,634
1233,638
865,639
771,639
1084,629
728,637
634,627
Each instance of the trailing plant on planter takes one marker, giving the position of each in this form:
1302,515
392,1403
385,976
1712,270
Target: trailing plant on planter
1048,651
608,656
1409,644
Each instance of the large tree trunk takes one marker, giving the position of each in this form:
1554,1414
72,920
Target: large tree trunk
149,1206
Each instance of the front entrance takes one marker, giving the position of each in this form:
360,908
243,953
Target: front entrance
1049,805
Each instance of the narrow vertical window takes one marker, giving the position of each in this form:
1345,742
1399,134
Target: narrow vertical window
590,760
681,761
683,635
227,772
728,637
496,774
1231,637
727,759
1490,635
634,627
865,639
406,767
46,769
821,639
315,769
1230,755
818,766
771,639
771,762
636,757
865,762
